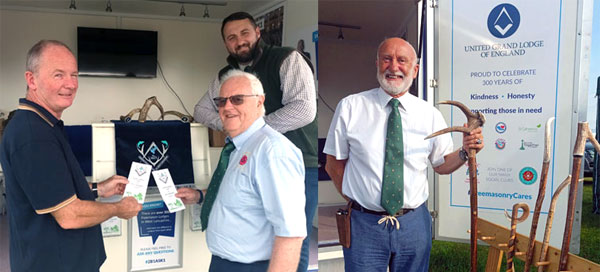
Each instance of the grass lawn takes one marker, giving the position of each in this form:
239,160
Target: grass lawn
455,257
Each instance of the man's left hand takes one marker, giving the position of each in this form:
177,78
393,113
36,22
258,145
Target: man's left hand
188,195
114,185
473,140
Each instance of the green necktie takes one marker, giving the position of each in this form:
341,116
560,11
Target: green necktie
392,194
215,182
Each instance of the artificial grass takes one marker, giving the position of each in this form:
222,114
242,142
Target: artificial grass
455,257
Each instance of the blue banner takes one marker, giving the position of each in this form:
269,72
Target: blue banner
162,144
155,219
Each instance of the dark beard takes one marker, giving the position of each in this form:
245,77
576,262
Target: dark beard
246,58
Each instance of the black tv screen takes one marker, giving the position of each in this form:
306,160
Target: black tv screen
116,52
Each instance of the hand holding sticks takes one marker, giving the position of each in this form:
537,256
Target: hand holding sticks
474,120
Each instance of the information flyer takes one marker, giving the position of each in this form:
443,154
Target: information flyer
112,226
505,65
155,238
139,175
167,190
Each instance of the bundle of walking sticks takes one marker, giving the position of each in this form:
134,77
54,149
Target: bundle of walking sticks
548,258
544,263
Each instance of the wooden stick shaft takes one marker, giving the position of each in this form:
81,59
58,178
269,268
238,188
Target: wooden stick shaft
510,254
473,198
546,241
541,194
536,216
583,132
512,240
564,252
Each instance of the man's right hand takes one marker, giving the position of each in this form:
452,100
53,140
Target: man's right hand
335,169
128,207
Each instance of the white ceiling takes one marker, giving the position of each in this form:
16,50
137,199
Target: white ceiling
377,18
193,8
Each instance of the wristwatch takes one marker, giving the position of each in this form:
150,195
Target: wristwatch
463,155
201,197
95,189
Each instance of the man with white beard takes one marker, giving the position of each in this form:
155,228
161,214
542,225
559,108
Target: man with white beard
377,158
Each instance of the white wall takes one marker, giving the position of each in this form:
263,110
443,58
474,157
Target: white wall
300,21
345,67
190,52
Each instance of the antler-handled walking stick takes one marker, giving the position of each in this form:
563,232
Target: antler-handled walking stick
153,101
545,243
512,240
540,197
474,120
583,133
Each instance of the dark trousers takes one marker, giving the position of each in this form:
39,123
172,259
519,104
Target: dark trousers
375,246
218,264
311,188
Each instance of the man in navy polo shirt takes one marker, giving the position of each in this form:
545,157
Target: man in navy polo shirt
53,218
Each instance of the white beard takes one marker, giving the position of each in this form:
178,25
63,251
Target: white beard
391,88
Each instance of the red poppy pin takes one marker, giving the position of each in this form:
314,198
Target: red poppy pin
244,160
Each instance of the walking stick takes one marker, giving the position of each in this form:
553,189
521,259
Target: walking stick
544,252
512,240
540,197
583,133
474,120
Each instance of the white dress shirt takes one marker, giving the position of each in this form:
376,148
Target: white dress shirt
261,196
357,133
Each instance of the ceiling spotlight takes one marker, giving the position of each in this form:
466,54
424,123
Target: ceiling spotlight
206,15
339,26
182,11
108,6
72,5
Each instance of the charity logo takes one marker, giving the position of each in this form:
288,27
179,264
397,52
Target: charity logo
153,154
500,127
527,144
244,160
503,21
522,145
163,177
176,204
140,171
500,143
530,129
528,175
138,196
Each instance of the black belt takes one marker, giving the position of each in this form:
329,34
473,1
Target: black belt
358,207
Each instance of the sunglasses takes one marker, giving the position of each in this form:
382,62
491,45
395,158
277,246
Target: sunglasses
237,99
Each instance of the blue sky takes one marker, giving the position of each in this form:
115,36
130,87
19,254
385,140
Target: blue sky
594,66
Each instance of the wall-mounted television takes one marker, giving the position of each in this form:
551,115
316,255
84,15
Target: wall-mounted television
107,52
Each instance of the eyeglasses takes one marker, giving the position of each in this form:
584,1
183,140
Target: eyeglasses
237,99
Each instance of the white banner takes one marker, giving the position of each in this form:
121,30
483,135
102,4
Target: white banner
505,65
155,238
